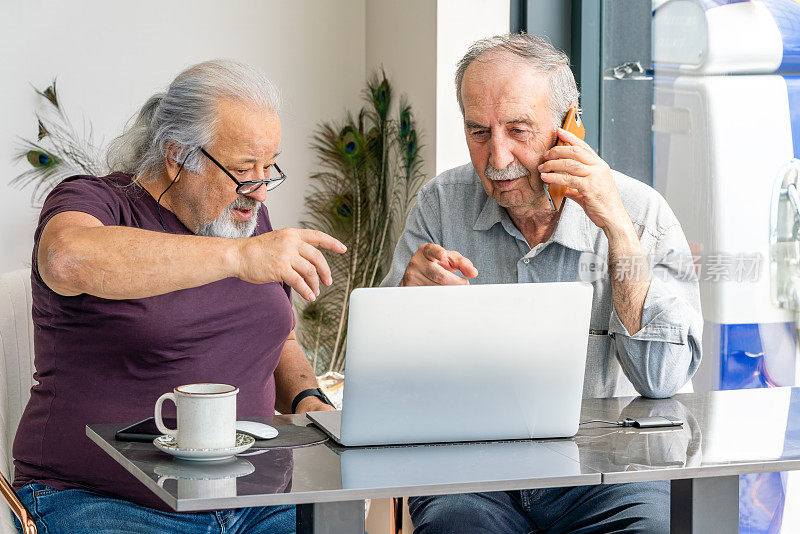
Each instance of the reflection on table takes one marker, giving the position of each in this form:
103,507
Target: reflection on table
724,433
197,480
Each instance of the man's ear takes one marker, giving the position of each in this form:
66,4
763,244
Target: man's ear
171,163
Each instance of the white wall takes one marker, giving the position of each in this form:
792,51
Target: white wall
459,24
401,37
110,56
419,42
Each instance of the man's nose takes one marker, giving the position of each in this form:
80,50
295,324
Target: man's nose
259,194
500,155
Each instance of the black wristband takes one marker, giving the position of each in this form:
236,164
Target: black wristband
313,392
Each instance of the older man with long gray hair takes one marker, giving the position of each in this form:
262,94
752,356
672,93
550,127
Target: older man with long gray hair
165,272
495,221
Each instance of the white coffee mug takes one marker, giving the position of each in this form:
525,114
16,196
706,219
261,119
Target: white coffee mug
206,416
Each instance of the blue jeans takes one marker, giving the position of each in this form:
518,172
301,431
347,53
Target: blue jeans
79,511
640,507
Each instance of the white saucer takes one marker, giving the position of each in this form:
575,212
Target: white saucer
169,445
231,468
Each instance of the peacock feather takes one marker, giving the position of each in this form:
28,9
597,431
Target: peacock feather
405,123
41,159
59,150
381,96
350,144
370,174
42,130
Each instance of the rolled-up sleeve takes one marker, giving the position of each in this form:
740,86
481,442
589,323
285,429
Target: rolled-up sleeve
663,355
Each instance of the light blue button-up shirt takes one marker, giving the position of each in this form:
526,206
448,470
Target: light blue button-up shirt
454,211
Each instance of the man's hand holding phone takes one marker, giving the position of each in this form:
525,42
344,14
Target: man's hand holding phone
573,124
587,178
432,265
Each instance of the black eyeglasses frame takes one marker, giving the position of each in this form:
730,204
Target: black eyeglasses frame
242,187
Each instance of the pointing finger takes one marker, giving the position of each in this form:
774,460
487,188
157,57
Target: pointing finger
440,276
459,262
321,239
433,252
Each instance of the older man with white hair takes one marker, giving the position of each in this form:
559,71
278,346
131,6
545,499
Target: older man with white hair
165,272
493,220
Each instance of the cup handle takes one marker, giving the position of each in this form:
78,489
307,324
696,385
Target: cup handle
159,421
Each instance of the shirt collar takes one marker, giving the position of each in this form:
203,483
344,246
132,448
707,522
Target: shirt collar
574,229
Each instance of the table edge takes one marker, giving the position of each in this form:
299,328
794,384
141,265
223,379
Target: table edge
160,492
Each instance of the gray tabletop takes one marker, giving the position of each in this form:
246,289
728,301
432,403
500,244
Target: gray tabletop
725,433
326,472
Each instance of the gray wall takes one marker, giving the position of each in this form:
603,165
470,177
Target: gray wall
599,35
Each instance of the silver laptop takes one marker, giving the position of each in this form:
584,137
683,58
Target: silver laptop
462,363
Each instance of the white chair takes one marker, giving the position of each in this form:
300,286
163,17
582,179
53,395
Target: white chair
16,379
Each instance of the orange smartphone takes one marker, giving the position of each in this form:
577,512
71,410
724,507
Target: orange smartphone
574,125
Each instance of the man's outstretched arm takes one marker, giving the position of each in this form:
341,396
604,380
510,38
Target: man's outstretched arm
77,254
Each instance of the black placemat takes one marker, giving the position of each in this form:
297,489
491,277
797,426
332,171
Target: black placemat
291,436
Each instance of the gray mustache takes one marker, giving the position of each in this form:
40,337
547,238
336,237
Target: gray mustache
512,172
243,203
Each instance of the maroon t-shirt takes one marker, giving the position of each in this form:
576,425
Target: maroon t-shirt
107,361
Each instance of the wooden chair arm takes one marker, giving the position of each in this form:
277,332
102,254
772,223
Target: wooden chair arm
19,510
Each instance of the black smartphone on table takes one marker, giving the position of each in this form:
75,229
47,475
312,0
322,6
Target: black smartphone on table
144,430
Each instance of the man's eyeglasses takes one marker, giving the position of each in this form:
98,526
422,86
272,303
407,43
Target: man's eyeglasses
245,188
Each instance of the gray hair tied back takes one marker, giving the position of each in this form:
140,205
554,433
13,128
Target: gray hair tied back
541,56
185,117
